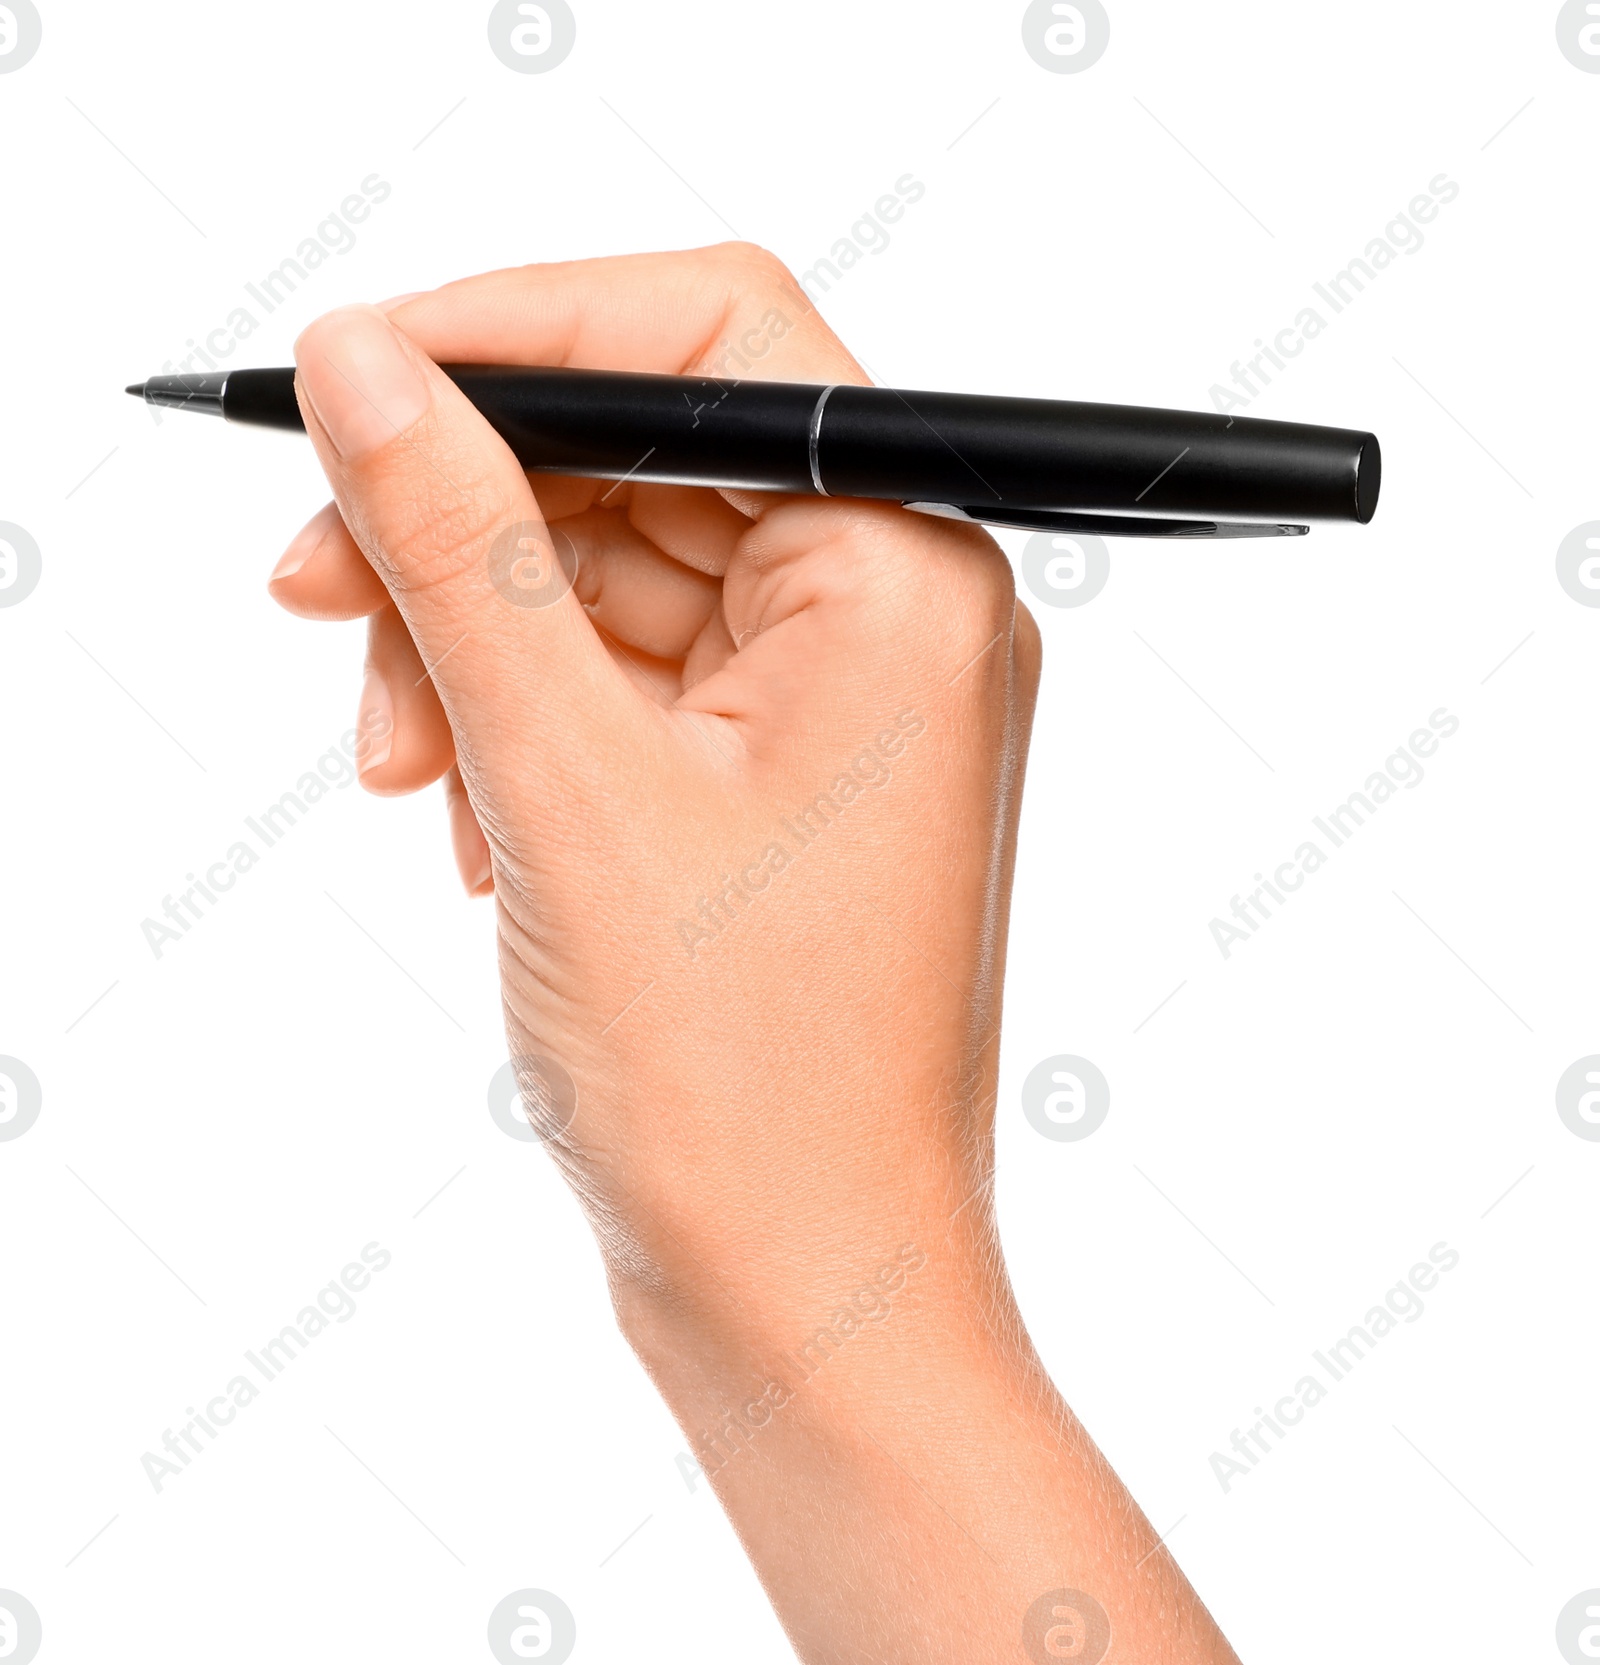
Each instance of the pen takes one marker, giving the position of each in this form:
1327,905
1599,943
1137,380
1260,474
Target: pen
1038,464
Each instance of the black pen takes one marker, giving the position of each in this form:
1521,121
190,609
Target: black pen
1037,464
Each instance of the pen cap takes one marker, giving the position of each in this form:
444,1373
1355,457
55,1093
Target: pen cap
1113,459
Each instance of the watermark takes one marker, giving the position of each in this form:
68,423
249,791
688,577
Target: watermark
21,1097
1402,235
337,768
1578,36
721,379
869,235
333,235
20,1629
531,566
1578,1623
1066,1097
532,38
1064,571
1402,768
1577,563
1577,1097
532,1098
335,1303
20,564
1066,1624
870,770
1063,38
1401,1304
21,30
863,1310
532,1624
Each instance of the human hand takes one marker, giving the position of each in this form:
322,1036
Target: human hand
746,796
654,758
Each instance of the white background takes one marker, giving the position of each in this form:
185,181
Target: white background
226,1127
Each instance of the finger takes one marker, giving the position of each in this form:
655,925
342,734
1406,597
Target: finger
632,591
323,575
427,488
698,528
466,837
398,698
564,494
836,605
731,310
709,651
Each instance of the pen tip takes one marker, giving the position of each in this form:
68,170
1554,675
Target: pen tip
137,390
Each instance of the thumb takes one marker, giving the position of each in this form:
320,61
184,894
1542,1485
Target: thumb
446,516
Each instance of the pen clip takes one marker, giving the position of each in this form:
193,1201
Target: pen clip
1107,526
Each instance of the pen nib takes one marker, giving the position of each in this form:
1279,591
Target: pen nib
137,390
199,392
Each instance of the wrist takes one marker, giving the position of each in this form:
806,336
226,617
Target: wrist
840,1351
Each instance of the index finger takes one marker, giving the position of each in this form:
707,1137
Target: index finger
732,311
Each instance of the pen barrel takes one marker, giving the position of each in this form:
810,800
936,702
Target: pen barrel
971,451
686,430
1112,459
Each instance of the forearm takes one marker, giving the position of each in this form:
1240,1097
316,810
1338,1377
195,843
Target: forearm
907,1481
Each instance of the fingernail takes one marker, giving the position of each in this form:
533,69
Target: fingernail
363,387
473,861
374,724
399,300
306,541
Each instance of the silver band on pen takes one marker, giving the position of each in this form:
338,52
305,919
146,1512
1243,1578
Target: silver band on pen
816,435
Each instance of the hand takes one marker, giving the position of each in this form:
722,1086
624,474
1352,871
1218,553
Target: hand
746,794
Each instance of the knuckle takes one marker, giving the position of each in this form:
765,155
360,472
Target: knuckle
993,575
754,257
985,585
750,269
1029,641
1028,651
982,596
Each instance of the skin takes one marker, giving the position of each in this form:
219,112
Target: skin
783,1131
